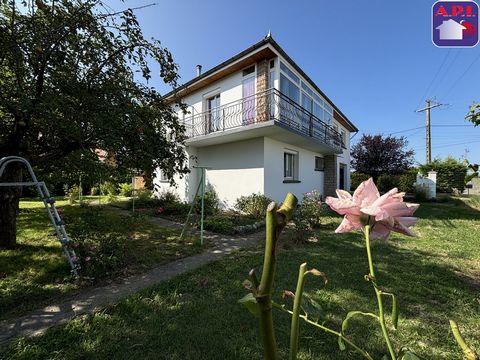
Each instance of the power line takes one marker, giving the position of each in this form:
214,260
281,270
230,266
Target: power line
447,69
434,77
461,76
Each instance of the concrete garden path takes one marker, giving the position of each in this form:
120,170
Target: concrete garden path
90,300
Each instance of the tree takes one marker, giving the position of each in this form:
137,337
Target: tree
375,155
474,114
74,79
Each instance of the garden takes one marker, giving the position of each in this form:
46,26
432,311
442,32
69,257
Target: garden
434,276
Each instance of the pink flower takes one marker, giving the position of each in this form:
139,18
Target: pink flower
384,213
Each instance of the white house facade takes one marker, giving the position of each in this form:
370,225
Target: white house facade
261,125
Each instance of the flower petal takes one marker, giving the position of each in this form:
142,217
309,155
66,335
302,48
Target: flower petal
349,223
342,194
366,193
379,231
342,206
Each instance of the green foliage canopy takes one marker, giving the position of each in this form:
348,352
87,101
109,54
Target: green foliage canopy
74,78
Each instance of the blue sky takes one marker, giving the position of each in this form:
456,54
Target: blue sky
374,59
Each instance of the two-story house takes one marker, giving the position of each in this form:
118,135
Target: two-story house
262,126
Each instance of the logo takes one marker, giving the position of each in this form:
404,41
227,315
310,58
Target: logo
455,23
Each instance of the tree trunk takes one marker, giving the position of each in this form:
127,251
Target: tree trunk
9,206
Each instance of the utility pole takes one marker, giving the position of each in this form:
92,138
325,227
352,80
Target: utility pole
428,137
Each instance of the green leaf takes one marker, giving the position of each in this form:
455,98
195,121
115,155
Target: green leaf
250,303
352,314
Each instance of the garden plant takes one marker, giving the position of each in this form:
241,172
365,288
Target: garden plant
376,216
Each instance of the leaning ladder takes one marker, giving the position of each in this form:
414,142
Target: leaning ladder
49,204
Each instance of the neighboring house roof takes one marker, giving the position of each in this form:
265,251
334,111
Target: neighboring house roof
258,51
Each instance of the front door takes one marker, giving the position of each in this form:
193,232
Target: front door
343,169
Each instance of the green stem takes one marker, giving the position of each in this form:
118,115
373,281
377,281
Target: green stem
467,351
275,221
295,327
328,330
378,293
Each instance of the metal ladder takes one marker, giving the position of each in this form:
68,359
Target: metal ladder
49,204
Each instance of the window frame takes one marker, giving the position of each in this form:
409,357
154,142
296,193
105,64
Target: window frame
294,166
322,168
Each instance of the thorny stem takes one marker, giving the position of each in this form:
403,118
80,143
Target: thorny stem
378,293
328,330
275,221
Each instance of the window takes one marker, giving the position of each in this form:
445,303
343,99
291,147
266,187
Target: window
213,105
289,72
290,166
319,163
272,64
163,176
289,89
249,70
344,138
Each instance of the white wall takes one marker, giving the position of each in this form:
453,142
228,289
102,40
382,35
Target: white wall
185,186
237,169
310,179
230,89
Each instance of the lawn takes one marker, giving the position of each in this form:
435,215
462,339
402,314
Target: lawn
196,315
37,271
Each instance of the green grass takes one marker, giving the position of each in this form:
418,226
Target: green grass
196,315
37,272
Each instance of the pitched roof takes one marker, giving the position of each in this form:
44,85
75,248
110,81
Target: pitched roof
268,40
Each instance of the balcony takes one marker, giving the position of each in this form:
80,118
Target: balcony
267,113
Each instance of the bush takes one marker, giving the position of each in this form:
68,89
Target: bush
219,224
210,203
125,189
174,208
99,249
94,190
108,188
254,205
356,178
387,182
407,180
450,174
168,197
307,216
72,194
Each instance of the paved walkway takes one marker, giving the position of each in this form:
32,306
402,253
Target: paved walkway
90,300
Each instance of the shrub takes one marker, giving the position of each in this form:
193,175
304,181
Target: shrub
94,190
420,194
168,197
219,224
100,249
125,189
254,205
71,193
387,182
108,188
407,180
210,203
356,178
450,174
307,216
175,208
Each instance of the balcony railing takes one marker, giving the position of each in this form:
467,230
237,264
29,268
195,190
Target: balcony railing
258,108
